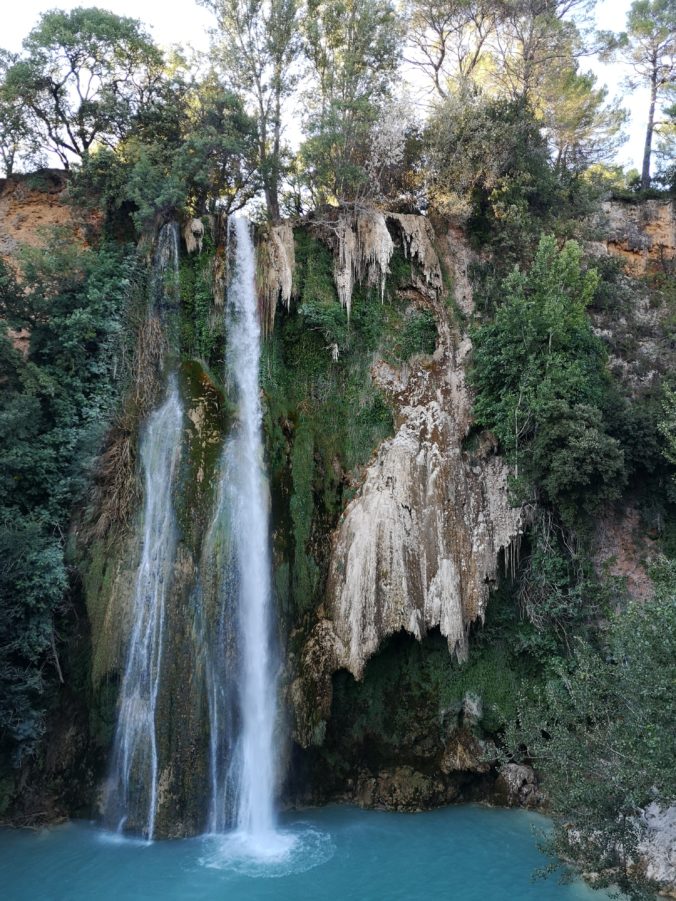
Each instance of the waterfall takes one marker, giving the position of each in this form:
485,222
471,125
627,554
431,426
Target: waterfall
135,759
247,784
164,282
133,785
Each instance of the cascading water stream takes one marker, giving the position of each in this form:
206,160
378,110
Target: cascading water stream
133,785
243,792
135,758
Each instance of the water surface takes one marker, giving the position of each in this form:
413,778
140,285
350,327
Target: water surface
463,853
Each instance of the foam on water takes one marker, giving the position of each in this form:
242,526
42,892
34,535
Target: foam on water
279,853
106,837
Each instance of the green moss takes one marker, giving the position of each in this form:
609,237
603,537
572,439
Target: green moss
207,421
417,688
324,417
201,324
419,334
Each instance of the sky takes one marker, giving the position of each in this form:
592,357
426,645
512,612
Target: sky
171,22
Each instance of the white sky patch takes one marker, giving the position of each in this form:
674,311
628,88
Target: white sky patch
186,23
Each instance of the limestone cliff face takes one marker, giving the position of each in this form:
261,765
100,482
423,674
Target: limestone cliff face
276,262
418,547
635,327
642,234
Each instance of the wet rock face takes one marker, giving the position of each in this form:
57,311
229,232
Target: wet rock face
408,736
418,546
517,786
109,575
404,789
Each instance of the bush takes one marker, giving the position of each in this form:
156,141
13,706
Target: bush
542,383
601,736
55,405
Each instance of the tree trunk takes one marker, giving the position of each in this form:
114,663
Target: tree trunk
647,150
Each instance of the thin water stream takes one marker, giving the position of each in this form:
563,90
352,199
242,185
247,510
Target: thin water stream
133,784
132,788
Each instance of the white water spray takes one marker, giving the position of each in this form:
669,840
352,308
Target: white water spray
251,773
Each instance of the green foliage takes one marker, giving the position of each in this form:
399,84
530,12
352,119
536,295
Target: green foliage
192,148
541,383
412,689
202,329
257,46
649,47
667,425
490,162
56,402
582,129
555,592
19,144
601,735
85,74
353,49
418,336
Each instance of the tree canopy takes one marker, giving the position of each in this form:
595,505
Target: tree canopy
84,76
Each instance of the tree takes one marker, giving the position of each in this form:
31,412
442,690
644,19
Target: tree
19,143
85,75
582,128
649,46
667,425
601,737
541,380
489,160
353,47
257,48
447,39
532,38
195,151
666,147
55,404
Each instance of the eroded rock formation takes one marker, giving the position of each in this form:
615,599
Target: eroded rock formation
276,263
642,234
418,547
193,235
365,248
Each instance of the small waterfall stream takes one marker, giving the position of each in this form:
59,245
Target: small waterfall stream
135,759
243,791
133,784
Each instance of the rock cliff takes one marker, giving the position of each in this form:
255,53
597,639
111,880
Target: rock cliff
418,547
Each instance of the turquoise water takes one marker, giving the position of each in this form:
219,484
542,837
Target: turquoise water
461,853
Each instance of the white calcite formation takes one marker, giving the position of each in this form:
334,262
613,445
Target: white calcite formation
418,547
276,264
657,849
365,248
193,235
417,240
